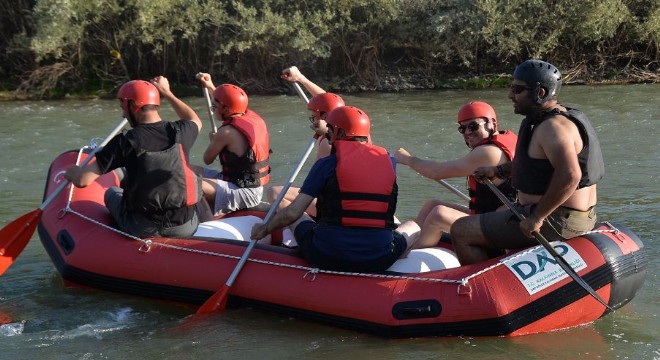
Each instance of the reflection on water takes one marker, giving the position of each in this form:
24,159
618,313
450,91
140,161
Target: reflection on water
44,318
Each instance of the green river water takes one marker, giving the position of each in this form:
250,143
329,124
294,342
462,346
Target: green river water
51,321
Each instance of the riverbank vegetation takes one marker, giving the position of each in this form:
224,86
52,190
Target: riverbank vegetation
55,47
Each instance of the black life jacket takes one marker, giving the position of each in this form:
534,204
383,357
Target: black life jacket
161,180
532,176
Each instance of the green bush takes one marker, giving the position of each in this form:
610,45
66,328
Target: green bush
95,45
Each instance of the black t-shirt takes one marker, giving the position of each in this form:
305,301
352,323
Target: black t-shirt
152,137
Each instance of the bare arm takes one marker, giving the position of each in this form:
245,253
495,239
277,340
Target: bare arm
491,172
558,143
82,177
205,80
558,140
184,111
283,217
323,150
292,74
219,141
481,156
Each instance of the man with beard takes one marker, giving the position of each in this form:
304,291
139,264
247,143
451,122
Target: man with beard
557,165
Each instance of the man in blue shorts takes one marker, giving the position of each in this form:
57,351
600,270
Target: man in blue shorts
356,193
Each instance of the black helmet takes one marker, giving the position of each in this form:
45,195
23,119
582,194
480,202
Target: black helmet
537,74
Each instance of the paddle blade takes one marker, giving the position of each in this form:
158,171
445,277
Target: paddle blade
15,236
217,302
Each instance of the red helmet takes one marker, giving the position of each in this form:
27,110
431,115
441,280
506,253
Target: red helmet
476,109
324,103
231,100
352,120
140,92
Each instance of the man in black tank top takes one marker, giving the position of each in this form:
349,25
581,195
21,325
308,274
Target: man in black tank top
557,165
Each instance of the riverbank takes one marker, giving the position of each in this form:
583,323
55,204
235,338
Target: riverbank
393,81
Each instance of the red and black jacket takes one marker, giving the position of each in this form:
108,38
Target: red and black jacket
482,199
363,192
252,169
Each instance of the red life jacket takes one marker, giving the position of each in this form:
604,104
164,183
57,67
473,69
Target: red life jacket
162,180
363,192
482,199
252,169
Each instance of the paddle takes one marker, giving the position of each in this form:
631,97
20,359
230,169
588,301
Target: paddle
543,241
218,301
16,234
210,109
453,189
300,92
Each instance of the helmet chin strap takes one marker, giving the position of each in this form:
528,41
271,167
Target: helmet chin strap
491,129
132,119
227,119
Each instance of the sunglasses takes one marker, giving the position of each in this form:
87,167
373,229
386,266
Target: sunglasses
473,126
517,89
313,118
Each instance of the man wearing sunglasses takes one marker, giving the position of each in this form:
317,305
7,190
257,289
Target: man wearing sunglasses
489,147
558,163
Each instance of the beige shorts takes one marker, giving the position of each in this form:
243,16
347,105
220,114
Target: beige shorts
502,229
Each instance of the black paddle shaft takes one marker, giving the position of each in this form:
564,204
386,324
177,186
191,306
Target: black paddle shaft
543,241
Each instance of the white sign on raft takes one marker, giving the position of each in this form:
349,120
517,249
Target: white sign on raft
538,269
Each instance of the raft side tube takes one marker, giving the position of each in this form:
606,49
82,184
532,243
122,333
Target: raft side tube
628,271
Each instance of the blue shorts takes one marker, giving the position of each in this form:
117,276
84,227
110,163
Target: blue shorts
304,234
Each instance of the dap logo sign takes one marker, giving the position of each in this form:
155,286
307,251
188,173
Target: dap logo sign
538,269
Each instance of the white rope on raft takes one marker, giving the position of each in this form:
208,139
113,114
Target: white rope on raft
148,243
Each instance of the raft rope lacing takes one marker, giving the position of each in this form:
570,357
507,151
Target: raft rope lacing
311,271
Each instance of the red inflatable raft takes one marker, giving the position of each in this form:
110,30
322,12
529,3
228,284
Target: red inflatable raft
523,292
